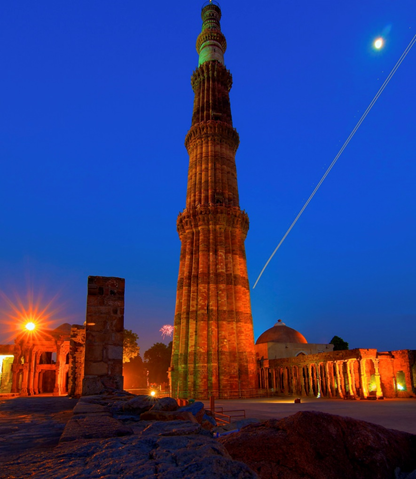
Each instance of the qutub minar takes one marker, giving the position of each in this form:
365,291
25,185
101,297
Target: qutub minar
213,342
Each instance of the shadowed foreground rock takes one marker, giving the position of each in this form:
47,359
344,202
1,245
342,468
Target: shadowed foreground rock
316,445
107,437
164,453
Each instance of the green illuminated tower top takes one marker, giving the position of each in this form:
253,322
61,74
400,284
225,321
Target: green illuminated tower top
211,43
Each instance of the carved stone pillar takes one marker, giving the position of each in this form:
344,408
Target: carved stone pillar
379,392
353,390
25,378
36,373
328,380
333,379
340,381
294,381
318,380
286,381
63,368
279,380
15,375
364,379
310,380
302,379
348,378
57,369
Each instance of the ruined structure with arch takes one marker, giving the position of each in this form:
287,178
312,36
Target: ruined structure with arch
351,374
36,363
75,359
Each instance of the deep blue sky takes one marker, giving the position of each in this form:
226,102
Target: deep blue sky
96,102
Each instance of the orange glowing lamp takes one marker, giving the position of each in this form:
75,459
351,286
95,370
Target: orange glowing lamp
30,326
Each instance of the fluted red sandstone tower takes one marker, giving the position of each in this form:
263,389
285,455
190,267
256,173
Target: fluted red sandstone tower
213,344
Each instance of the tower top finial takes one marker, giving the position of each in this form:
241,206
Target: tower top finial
211,43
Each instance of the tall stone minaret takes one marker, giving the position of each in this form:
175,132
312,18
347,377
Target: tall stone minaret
213,342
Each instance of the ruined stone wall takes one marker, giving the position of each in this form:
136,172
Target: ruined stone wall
397,374
104,335
76,360
363,373
322,357
6,362
275,350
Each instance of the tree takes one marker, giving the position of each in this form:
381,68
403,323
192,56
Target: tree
158,361
130,347
339,344
134,373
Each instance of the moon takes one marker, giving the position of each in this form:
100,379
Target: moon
378,43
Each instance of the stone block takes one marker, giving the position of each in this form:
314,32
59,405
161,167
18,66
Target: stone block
95,368
94,352
92,385
89,408
168,416
114,352
94,427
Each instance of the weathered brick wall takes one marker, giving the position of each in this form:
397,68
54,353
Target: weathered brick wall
104,335
323,357
76,360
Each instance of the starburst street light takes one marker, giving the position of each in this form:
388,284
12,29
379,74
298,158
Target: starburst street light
30,326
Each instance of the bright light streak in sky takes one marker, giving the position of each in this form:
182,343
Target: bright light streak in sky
367,111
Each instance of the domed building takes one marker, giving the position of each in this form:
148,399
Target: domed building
287,365
280,341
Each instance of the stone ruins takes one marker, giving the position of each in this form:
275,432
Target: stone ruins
213,344
289,366
75,360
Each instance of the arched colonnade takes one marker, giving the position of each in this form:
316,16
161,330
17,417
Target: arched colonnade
343,378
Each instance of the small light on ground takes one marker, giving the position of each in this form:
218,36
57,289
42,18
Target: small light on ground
153,393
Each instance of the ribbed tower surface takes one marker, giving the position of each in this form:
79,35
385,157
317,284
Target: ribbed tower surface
213,343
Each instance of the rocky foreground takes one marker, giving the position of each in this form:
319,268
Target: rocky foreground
117,435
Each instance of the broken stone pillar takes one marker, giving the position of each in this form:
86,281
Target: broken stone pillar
103,367
76,360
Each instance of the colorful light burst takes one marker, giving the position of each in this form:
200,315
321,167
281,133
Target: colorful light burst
166,330
29,316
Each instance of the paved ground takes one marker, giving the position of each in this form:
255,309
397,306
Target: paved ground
32,424
397,414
